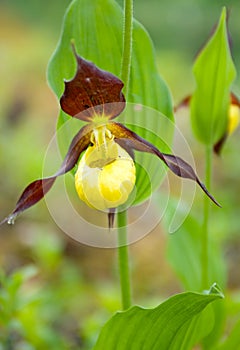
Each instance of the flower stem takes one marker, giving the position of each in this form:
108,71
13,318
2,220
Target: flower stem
123,256
206,212
127,44
123,260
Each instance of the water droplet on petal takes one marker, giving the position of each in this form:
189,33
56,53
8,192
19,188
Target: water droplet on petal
11,219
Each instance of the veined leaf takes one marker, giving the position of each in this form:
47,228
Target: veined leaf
214,72
184,254
219,311
193,331
158,328
96,28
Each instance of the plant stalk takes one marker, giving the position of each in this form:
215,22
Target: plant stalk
127,44
123,254
206,214
123,260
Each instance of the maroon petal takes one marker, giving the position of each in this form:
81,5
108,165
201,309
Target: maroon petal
219,145
34,192
234,100
183,103
111,216
79,143
183,169
92,91
176,164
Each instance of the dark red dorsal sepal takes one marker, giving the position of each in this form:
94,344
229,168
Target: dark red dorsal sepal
92,91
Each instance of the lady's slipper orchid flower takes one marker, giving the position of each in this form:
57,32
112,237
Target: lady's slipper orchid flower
105,176
106,172
233,119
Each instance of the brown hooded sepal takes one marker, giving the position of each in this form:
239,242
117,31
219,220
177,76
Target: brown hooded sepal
92,91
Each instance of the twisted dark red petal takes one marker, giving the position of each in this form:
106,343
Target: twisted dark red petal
177,165
36,190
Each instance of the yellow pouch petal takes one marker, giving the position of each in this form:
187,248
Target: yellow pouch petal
116,181
106,176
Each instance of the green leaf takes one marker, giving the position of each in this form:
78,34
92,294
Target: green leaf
214,72
158,328
232,341
184,254
219,312
195,329
96,28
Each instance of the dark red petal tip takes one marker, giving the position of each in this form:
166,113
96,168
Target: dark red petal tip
34,192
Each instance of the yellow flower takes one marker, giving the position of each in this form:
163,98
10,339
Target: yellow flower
233,118
105,176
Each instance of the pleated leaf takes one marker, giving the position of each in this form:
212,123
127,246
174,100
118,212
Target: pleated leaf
96,28
214,73
165,327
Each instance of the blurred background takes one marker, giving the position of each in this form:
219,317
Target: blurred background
71,289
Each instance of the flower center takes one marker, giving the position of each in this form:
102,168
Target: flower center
104,154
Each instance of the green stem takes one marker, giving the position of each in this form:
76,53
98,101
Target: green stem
127,44
206,212
123,260
123,256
